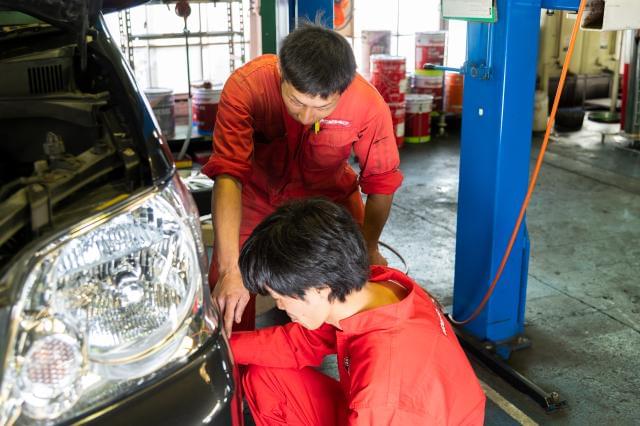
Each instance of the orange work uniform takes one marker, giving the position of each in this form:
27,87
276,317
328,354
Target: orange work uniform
399,364
278,159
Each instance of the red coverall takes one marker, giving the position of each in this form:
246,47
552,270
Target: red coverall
277,159
399,364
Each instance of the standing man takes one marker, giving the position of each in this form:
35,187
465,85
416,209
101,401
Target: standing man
398,358
285,128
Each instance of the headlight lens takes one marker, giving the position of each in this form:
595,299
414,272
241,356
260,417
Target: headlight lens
106,304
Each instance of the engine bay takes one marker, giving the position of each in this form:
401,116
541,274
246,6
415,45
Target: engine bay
65,142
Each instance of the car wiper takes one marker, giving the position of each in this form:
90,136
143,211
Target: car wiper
10,31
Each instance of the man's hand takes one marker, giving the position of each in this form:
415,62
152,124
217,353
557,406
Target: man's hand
231,296
375,258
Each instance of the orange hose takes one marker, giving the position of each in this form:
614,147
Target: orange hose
536,171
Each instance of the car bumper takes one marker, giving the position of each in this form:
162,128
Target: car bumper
197,393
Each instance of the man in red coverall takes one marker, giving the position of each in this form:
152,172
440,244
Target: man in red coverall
285,129
398,358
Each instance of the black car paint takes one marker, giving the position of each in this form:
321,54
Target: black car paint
195,394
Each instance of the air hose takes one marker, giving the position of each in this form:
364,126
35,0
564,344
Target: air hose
534,176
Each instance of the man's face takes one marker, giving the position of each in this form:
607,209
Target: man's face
310,312
307,109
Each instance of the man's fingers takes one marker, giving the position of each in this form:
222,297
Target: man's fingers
242,303
221,301
231,303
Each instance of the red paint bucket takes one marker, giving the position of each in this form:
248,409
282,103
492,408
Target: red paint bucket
430,48
205,107
418,118
397,117
388,75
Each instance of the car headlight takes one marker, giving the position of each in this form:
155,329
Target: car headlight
104,306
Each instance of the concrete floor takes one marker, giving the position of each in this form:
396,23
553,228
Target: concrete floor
583,300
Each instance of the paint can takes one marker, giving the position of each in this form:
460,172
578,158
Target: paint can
430,48
429,82
374,43
453,93
398,118
388,75
418,118
162,103
205,106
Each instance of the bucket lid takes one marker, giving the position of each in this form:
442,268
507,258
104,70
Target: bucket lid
418,98
203,91
158,91
387,58
419,102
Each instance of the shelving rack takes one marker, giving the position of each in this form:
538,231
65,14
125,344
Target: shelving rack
233,35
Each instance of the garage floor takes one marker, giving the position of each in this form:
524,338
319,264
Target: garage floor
583,303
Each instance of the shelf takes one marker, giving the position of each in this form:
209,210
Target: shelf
181,35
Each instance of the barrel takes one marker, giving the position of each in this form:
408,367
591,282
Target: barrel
418,118
205,107
453,93
430,48
374,43
388,75
162,103
398,118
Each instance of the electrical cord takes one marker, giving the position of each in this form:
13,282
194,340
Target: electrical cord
397,254
534,176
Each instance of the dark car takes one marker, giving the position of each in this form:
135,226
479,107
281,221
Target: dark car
105,315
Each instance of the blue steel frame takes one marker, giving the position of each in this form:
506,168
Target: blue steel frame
494,166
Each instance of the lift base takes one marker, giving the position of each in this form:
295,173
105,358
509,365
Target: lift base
549,401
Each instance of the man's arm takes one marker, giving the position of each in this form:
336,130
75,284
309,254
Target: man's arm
230,293
230,165
376,213
288,346
380,175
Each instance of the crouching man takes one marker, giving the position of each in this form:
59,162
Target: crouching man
398,358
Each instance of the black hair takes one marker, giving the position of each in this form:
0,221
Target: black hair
306,244
317,61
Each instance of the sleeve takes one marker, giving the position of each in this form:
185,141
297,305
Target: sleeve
377,153
288,346
233,132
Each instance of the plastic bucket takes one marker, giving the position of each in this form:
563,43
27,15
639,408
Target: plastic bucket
205,108
388,75
418,118
163,105
398,112
430,48
374,43
429,83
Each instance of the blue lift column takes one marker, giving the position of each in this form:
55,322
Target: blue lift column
499,87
